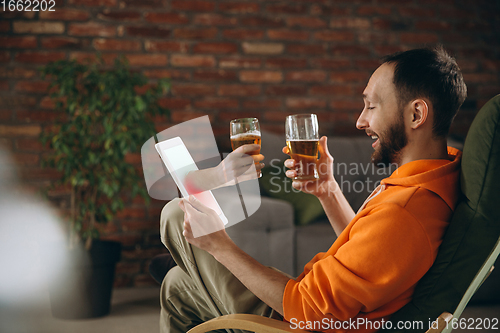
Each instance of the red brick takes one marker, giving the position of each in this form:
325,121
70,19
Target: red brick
329,10
193,90
18,14
383,50
65,14
91,29
262,22
83,57
20,130
306,76
147,59
306,22
192,61
167,73
373,10
214,20
432,25
26,159
453,13
286,63
420,11
349,76
331,90
103,44
47,103
131,212
484,78
327,63
39,27
94,3
32,86
4,85
333,36
304,103
124,239
4,26
174,103
165,46
30,116
166,18
216,103
239,63
239,7
5,115
370,64
192,5
148,32
115,15
63,43
215,75
128,267
238,90
4,57
284,8
285,34
352,50
391,24
41,57
377,37
262,104
276,116
195,33
286,90
142,3
309,49
218,48
261,76
30,144
350,23
263,48
243,34
226,116
17,72
346,105
418,38
28,42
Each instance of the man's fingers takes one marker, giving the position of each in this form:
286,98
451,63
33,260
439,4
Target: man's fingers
245,149
198,205
285,150
323,147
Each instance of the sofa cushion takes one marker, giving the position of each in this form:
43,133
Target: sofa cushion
474,228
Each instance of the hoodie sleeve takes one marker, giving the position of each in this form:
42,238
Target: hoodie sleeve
386,253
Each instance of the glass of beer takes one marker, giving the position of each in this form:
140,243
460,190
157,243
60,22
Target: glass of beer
246,131
302,140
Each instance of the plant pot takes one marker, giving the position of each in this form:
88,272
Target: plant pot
83,289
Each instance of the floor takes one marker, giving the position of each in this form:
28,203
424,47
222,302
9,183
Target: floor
137,311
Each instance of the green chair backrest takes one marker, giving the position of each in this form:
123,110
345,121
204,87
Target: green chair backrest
473,231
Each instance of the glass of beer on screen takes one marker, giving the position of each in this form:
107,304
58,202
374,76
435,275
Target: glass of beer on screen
302,139
245,131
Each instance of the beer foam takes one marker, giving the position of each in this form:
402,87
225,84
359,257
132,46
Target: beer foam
240,135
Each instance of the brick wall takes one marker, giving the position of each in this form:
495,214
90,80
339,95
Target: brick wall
231,59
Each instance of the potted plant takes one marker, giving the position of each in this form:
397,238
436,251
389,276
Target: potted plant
105,115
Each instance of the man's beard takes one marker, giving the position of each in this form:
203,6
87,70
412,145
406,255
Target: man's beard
391,142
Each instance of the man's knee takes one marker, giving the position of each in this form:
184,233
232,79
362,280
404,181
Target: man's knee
171,219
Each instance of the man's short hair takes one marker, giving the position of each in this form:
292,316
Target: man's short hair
432,74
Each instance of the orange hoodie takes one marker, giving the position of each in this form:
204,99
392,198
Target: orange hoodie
372,268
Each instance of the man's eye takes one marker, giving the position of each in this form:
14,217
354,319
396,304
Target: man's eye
371,108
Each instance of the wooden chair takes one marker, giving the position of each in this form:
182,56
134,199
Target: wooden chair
469,249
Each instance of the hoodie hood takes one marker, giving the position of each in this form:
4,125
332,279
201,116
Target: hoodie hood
434,175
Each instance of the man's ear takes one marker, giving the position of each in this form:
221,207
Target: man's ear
420,111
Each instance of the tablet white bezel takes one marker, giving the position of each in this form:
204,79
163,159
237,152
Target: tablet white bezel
174,142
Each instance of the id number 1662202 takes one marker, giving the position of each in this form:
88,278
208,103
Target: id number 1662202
28,5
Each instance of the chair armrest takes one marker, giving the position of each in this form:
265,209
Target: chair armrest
250,322
442,322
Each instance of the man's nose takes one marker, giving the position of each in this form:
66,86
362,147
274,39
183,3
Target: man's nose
362,122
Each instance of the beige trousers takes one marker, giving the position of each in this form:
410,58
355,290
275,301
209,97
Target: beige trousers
199,288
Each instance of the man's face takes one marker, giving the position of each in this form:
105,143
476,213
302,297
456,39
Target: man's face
382,117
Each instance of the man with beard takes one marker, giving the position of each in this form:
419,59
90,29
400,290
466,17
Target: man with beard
381,252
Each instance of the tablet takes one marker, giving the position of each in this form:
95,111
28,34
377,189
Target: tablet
179,163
